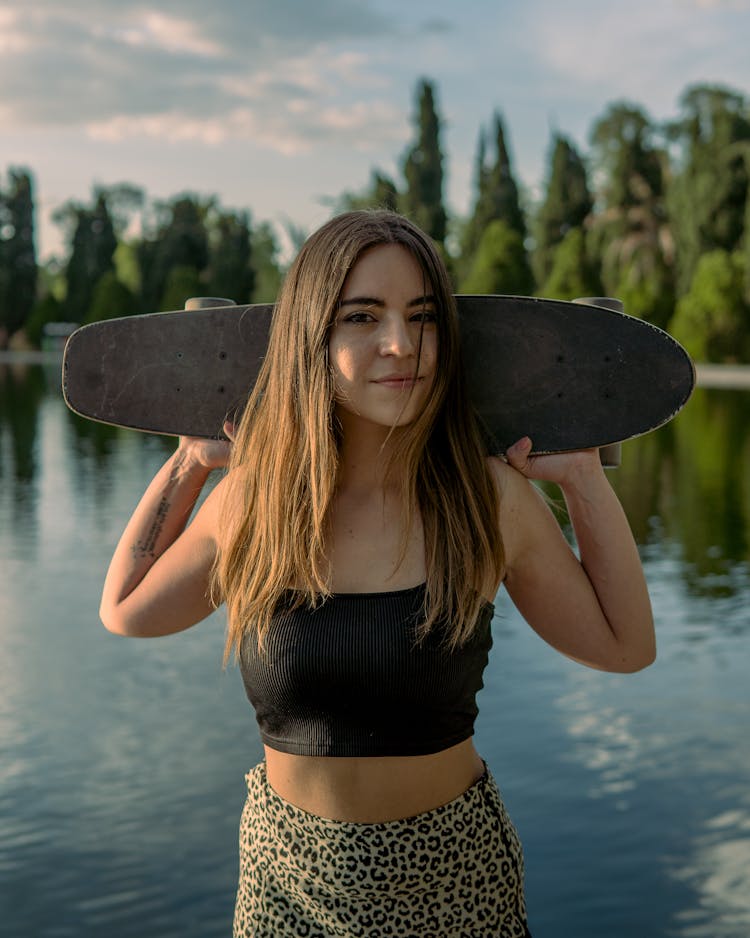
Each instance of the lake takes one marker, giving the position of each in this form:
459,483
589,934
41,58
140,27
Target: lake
122,761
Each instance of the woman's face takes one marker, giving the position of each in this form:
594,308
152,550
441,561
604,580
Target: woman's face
386,308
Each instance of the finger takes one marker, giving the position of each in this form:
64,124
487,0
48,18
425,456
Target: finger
518,454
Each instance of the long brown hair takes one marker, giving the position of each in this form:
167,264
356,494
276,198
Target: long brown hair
283,471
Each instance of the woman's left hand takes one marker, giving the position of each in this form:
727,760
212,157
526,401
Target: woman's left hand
210,454
555,467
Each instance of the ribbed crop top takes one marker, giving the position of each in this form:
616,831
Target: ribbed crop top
348,678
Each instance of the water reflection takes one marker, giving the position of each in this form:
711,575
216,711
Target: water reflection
687,484
22,388
718,868
121,762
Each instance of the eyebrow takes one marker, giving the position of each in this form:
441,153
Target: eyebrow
374,301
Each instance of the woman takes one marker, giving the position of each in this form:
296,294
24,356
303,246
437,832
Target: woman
358,539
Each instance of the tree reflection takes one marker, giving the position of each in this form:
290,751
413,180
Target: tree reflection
91,440
22,388
688,479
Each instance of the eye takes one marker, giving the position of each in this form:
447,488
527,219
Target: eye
361,316
425,316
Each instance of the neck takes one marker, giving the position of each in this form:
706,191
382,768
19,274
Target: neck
363,457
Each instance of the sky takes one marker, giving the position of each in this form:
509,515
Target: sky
278,106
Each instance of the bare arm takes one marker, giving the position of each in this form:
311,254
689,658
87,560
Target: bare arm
158,579
595,609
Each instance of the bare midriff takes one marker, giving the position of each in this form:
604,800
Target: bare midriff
373,789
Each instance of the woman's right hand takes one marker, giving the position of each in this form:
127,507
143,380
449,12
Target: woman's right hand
210,454
159,578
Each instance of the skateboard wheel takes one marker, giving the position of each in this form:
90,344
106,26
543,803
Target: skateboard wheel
207,302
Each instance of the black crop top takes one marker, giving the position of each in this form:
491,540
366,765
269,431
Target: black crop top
348,679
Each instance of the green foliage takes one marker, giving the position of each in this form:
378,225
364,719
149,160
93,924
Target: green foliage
573,274
18,270
180,239
230,271
646,288
93,243
624,154
631,239
111,300
500,263
182,283
566,205
268,275
423,169
127,267
381,193
497,196
48,309
712,320
123,201
709,192
51,279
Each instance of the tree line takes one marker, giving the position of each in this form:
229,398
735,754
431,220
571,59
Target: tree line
657,214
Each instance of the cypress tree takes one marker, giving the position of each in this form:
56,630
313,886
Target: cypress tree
423,169
380,193
93,242
572,273
709,193
230,264
182,283
630,237
384,191
500,264
180,239
497,200
567,204
111,299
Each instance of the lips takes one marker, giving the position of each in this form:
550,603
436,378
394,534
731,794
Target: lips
398,381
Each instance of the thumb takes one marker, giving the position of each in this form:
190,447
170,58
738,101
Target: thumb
518,454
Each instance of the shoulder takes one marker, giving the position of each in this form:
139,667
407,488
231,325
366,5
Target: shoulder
513,488
522,508
208,516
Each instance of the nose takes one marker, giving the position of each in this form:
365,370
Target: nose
396,338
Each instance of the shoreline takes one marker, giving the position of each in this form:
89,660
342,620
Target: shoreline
31,357
731,377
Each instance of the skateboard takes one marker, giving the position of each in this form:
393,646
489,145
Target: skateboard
571,375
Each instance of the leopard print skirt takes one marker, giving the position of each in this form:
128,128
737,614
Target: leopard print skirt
453,872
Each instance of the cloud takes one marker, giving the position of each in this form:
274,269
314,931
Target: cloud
741,5
717,867
168,34
361,126
645,51
126,69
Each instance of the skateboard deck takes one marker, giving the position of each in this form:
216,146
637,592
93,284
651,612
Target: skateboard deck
570,376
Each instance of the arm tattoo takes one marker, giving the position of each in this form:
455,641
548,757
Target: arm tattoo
147,546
